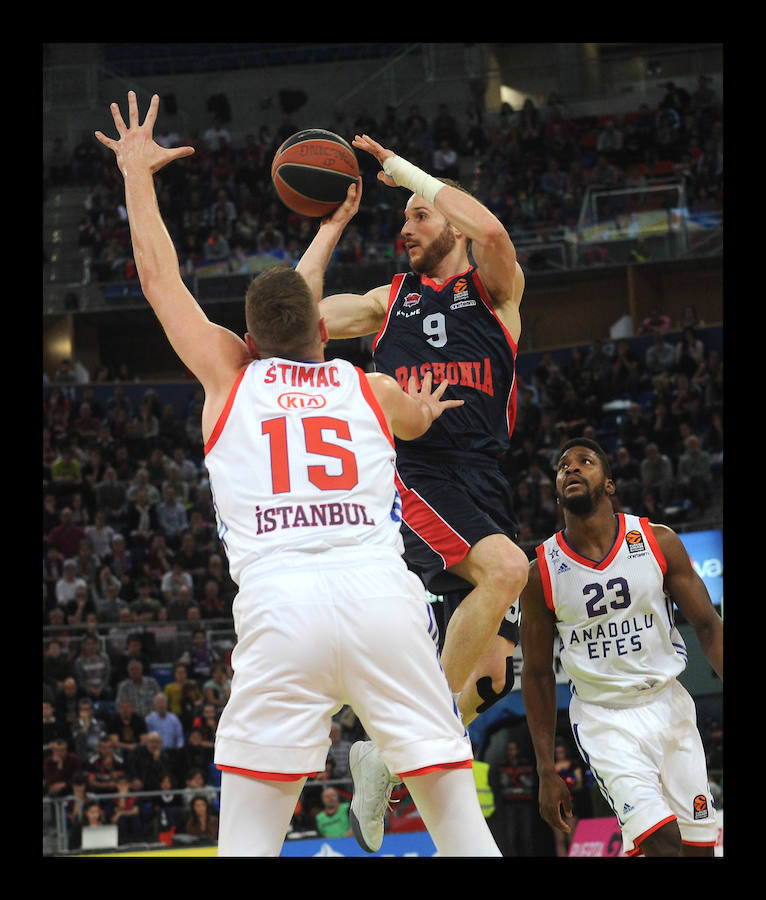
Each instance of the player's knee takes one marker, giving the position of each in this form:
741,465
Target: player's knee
508,575
495,685
520,566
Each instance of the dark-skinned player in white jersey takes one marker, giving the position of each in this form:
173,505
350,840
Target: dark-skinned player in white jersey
606,585
457,321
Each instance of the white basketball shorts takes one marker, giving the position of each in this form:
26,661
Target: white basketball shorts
317,631
650,764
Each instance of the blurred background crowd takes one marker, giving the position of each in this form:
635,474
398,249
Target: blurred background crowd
136,591
531,166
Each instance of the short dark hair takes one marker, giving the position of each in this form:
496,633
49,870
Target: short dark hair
591,445
280,311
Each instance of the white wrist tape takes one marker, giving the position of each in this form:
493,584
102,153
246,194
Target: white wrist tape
405,174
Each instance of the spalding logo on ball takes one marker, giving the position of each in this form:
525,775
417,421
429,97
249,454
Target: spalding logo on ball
312,171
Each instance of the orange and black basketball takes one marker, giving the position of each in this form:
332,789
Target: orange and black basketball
312,171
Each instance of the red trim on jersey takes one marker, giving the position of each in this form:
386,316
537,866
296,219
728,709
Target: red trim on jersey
430,527
654,546
266,776
490,304
369,396
510,407
545,577
605,562
439,286
465,764
396,283
225,413
637,840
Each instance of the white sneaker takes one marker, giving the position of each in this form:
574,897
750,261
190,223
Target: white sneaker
373,784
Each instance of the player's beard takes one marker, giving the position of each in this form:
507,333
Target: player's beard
435,252
583,504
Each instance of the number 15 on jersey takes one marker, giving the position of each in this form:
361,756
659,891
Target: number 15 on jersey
314,443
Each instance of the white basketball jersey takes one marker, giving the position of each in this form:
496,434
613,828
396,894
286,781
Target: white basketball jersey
301,459
619,644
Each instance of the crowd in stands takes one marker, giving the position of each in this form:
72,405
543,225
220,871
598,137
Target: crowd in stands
531,166
134,574
655,402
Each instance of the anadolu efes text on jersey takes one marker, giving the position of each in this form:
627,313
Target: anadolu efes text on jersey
301,459
452,331
619,643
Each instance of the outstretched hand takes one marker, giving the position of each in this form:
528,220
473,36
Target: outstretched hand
366,143
136,145
432,399
344,213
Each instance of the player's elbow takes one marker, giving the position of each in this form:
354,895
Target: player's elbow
148,261
157,282
412,426
495,237
151,278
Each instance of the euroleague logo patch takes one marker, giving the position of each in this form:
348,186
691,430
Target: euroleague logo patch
635,542
460,295
460,289
701,810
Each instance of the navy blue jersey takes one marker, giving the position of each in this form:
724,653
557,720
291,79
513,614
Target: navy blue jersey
452,331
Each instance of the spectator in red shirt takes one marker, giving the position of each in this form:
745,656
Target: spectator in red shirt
66,536
105,768
59,768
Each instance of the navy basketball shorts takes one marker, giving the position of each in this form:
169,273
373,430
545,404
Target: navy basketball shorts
446,509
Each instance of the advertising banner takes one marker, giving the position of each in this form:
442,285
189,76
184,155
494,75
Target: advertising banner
602,837
705,549
411,843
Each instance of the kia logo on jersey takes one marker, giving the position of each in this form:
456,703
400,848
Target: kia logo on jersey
411,300
299,400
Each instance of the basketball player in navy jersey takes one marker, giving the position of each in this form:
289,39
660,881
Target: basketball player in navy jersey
327,613
606,584
458,322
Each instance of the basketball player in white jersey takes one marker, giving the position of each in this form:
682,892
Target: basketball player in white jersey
300,453
607,584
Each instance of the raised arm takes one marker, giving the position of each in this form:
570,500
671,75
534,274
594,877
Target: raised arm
346,315
538,691
491,245
214,354
687,590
